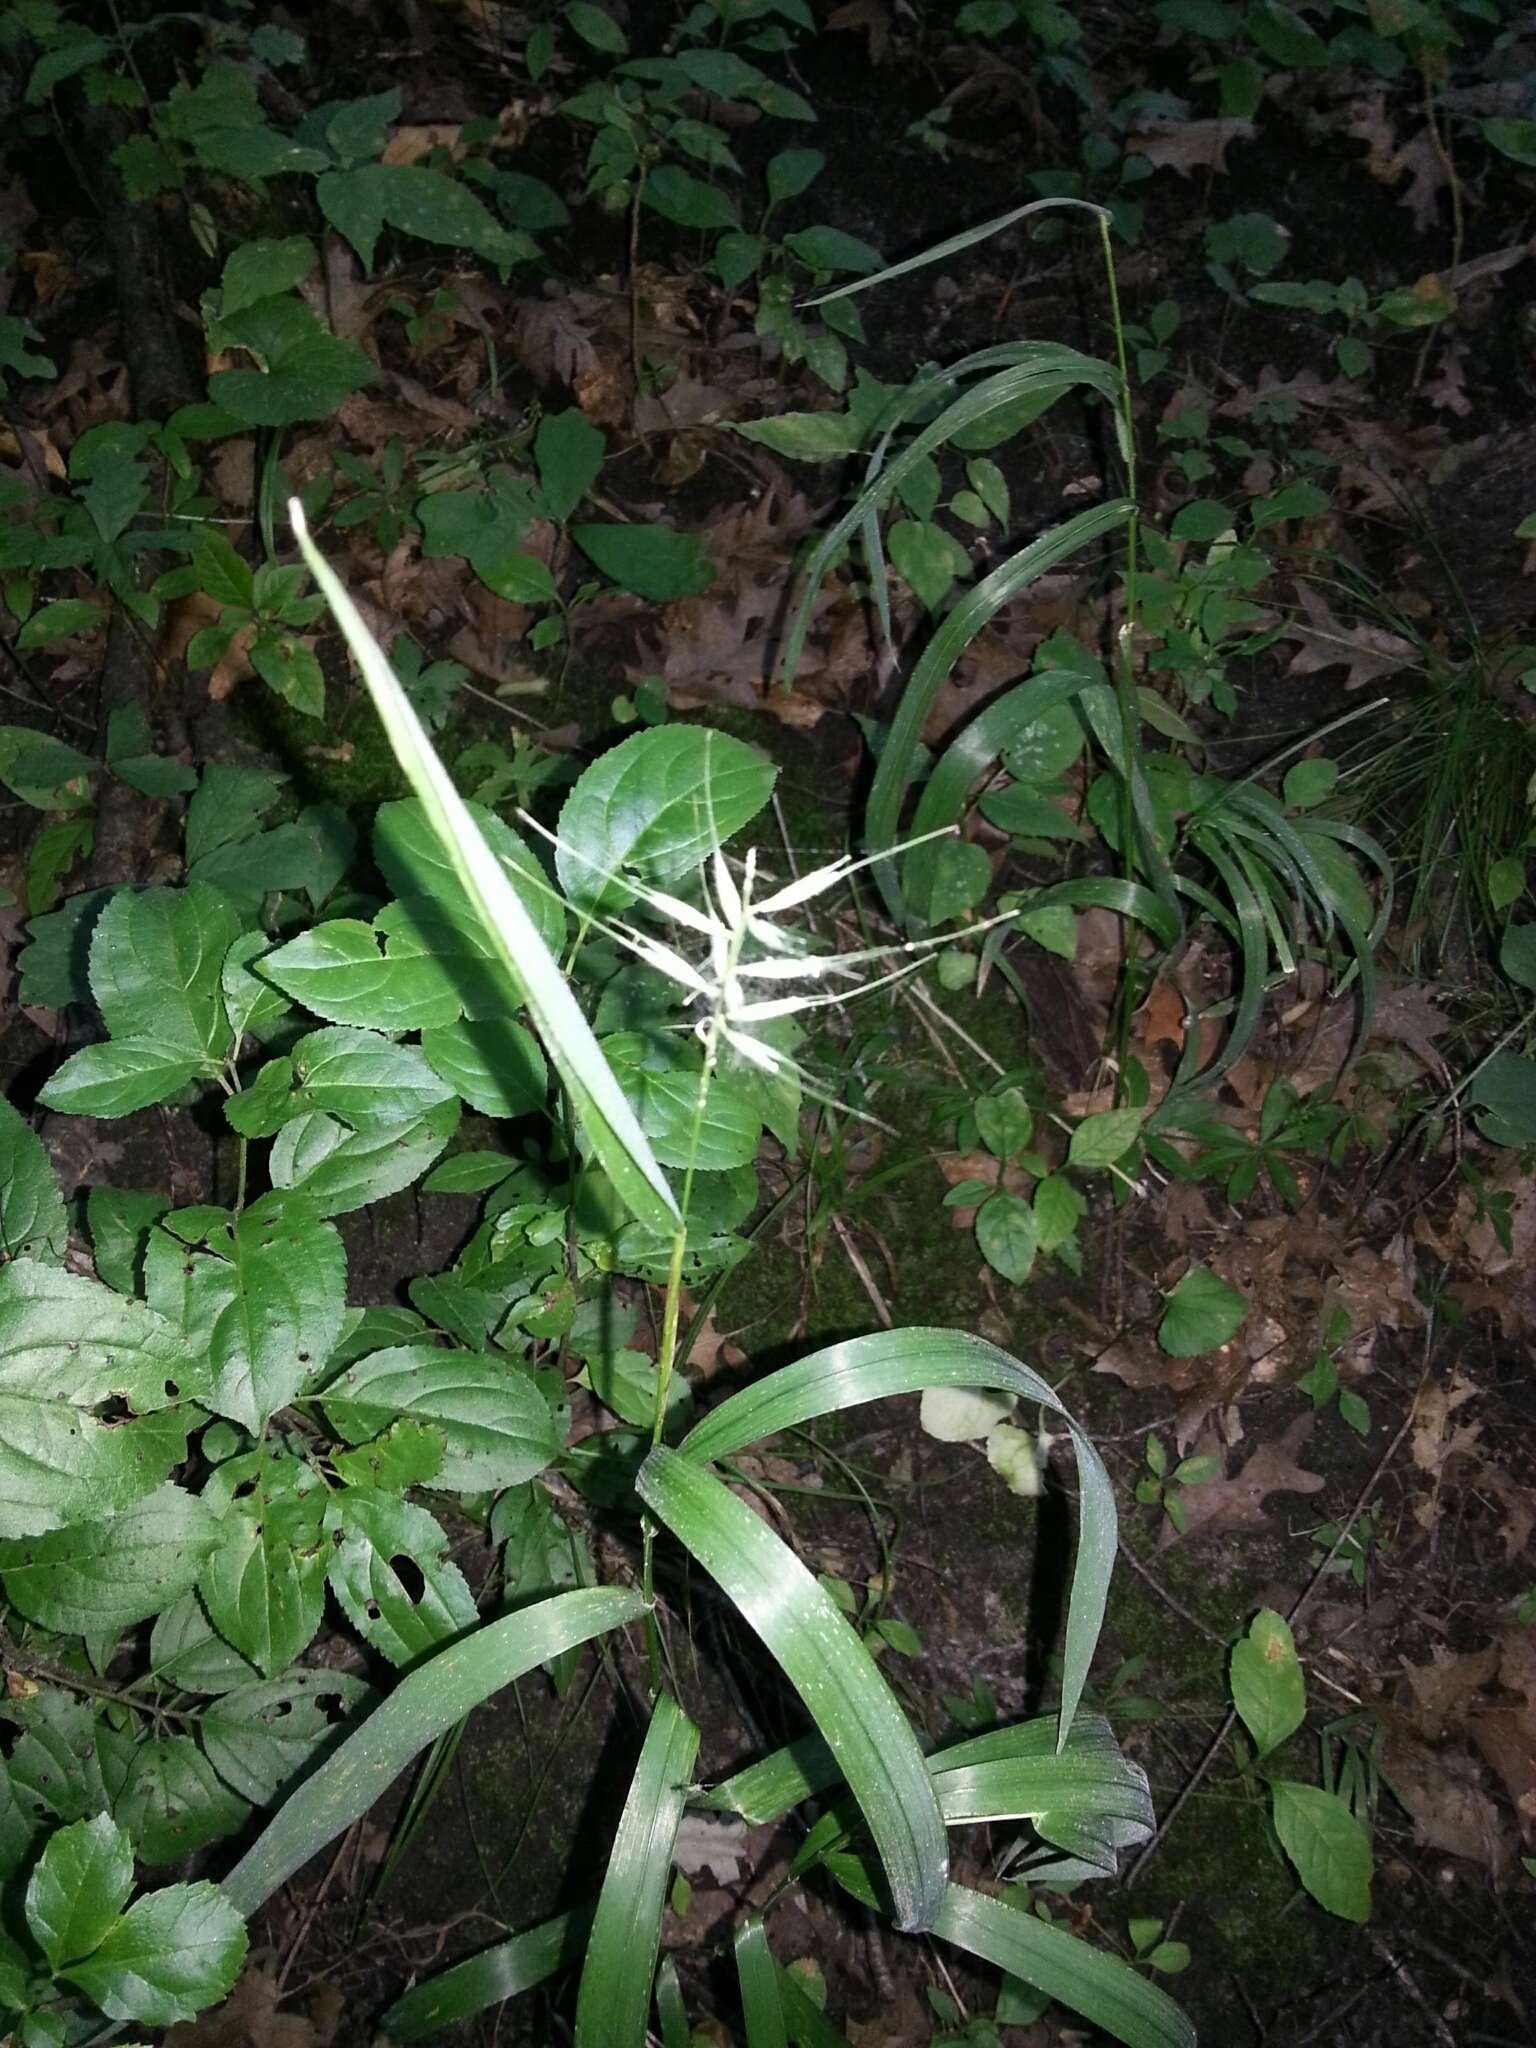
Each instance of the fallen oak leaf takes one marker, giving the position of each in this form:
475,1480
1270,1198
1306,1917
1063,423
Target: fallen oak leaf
1221,1505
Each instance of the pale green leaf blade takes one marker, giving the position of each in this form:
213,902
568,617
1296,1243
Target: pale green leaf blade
905,1362
826,1663
1201,1314
259,1738
605,1116
337,970
614,2001
1268,1688
425,1703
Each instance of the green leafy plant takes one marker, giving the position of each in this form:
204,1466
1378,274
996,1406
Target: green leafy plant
1316,1825
1162,1486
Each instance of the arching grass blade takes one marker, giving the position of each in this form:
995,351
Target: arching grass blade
824,1660
490,1977
533,976
431,1698
757,1974
905,1362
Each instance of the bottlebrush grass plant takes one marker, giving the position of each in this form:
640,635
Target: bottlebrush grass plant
200,1439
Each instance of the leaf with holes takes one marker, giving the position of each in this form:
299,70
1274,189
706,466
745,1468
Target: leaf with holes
71,1351
261,1737
388,1566
288,1275
264,1585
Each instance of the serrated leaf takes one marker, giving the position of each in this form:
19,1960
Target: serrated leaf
264,1584
98,1578
261,1737
364,1078
172,1953
33,1223
122,1075
156,956
1268,1689
494,1064
255,270
342,1170
1328,1846
288,1277
174,1803
69,1349
366,1532
1201,1313
187,1652
79,1887
496,1427
665,1100
407,1454
657,803
415,200
1102,1139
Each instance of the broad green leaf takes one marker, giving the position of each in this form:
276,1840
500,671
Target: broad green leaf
288,1272
1088,1980
364,1078
906,1362
366,1531
1513,135
407,1454
338,970
805,436
962,1415
654,562
427,1702
305,372
826,1663
1102,1139
496,1426
924,556
1330,1849
429,204
596,26
259,1738
1503,1094
677,195
33,1223
1201,1314
264,1584
172,1953
658,803
1309,782
79,1887
70,1349
599,1105
155,961
614,2001
1284,37
61,620
665,1099
494,1064
255,270
568,450
187,1652
342,1170
825,248
98,1578
1058,1210
490,1978
791,172
1268,1689
173,1801
122,1075
1008,1235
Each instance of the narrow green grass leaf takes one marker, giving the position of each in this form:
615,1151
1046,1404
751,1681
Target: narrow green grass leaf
1099,1986
967,239
490,1977
808,2025
955,632
905,1362
433,1697
826,1663
533,975
761,2007
671,2013
614,2002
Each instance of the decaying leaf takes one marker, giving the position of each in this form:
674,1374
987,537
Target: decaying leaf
1238,1502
